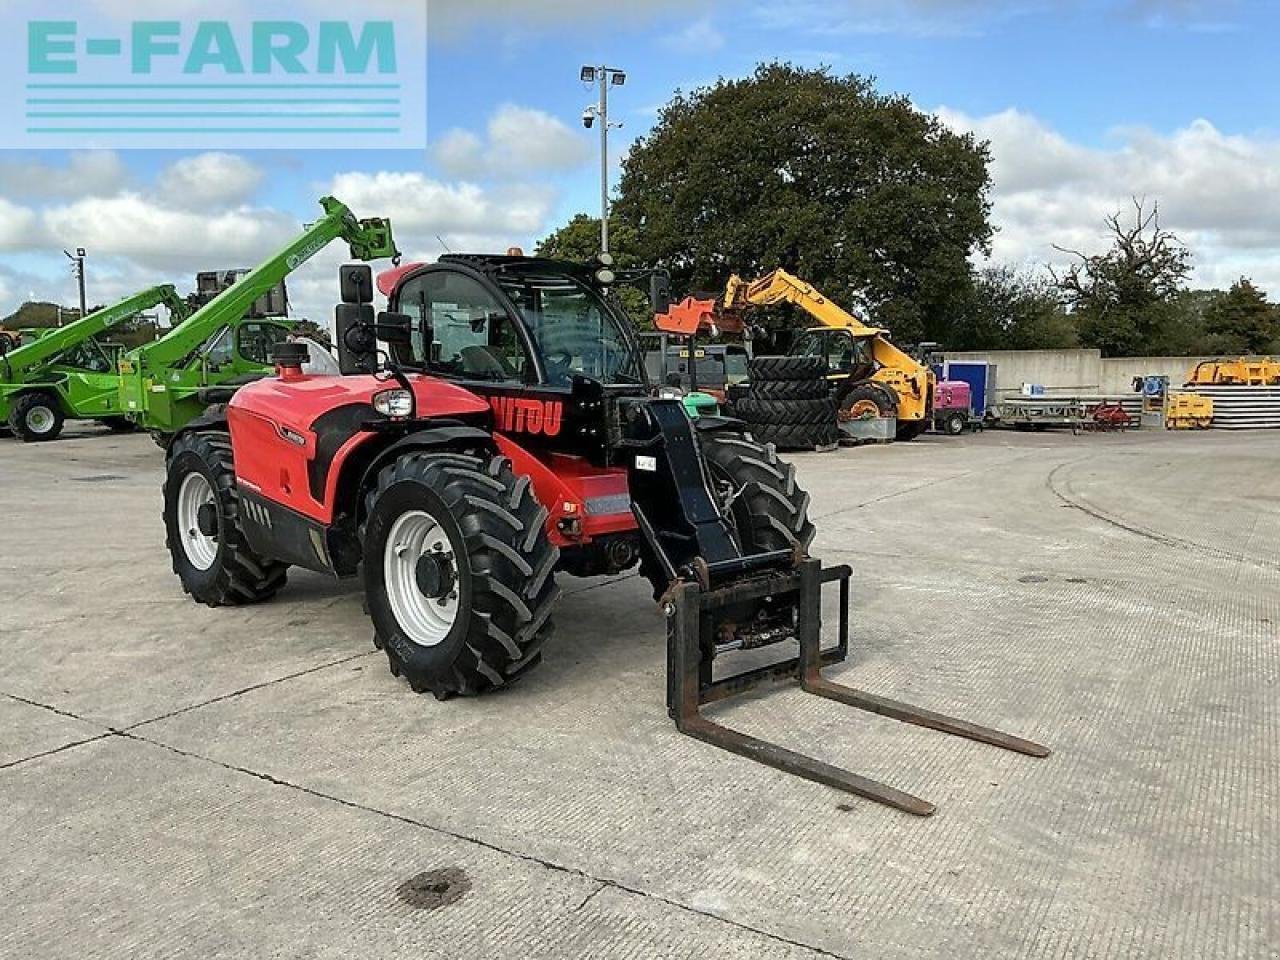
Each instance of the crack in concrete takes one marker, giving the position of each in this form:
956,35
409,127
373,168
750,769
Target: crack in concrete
484,844
251,688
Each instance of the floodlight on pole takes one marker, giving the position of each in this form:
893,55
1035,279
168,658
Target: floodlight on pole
605,77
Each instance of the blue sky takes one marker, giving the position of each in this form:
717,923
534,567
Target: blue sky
1086,103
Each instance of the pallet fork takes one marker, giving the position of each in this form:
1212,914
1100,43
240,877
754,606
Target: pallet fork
723,597
692,628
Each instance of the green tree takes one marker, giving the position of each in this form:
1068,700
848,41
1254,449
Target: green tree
871,200
579,241
1126,298
1013,310
1242,321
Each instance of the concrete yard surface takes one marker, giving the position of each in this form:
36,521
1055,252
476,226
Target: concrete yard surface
178,781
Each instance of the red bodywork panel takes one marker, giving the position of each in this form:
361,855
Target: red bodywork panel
273,431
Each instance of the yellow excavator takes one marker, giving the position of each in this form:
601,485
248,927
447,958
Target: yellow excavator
871,376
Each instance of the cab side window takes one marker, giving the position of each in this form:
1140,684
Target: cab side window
473,338
255,340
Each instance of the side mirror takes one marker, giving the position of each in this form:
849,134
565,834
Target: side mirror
660,291
355,281
394,329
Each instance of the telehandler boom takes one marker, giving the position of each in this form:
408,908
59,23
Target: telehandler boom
870,373
67,373
168,382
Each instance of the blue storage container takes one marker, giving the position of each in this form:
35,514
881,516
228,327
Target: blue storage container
981,378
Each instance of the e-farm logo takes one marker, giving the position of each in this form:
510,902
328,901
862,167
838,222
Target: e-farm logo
276,81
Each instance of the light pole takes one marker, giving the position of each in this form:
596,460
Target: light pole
77,270
605,77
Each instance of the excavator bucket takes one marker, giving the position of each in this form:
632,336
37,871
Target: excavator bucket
697,634
691,317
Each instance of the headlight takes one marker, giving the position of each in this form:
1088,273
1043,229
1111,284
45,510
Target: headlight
396,404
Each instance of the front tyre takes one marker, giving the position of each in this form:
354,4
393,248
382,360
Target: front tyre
202,526
458,572
768,509
36,417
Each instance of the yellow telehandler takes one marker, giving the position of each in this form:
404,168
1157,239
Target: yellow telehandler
871,376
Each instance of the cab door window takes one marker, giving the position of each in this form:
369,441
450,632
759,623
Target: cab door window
255,340
473,338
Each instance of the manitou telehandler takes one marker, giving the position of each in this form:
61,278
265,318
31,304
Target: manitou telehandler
69,374
504,433
223,345
871,376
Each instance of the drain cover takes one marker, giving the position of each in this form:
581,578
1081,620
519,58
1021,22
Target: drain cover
435,888
100,478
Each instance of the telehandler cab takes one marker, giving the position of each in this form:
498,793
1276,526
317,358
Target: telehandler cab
501,433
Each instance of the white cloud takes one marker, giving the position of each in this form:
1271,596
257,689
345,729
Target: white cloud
92,173
518,141
463,214
19,226
1220,193
152,235
700,36
209,181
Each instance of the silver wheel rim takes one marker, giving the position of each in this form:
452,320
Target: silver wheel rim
40,420
424,621
194,493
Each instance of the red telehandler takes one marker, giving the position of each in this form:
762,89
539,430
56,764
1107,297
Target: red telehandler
494,428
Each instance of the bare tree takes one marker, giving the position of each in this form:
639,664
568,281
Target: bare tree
1119,296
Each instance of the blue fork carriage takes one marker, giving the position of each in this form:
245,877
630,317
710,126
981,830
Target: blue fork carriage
697,633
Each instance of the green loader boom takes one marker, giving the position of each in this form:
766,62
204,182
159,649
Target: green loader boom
167,383
67,374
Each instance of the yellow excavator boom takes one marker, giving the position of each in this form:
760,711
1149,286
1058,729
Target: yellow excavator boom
911,380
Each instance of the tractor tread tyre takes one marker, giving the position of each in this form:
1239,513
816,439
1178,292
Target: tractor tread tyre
769,503
795,436
238,575
22,410
788,412
770,390
787,368
505,570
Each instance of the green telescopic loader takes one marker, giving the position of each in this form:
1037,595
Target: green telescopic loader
160,386
166,384
69,374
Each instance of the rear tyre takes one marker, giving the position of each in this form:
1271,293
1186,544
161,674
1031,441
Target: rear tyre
36,417
206,543
458,572
787,368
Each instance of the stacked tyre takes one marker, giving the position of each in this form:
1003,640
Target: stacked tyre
789,403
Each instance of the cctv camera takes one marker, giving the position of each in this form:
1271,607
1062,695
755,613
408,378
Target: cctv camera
588,118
